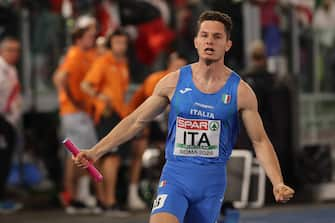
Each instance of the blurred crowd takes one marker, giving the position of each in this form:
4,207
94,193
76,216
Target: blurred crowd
92,52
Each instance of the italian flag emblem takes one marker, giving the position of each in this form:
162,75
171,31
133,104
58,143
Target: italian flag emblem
226,98
162,183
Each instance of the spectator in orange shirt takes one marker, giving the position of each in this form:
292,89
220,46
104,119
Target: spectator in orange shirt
74,106
107,81
141,142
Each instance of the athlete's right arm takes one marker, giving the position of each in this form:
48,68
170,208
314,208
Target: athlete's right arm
132,124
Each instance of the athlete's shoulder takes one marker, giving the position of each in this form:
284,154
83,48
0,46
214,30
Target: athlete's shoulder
171,78
157,74
153,78
246,96
244,88
176,75
167,84
234,74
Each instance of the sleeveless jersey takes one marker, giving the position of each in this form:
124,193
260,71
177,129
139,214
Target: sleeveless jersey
202,128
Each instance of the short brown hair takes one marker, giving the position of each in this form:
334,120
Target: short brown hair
210,15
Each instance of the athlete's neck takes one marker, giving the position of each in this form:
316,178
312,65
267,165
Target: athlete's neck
214,70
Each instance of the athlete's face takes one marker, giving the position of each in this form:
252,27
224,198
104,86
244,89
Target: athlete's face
119,45
211,41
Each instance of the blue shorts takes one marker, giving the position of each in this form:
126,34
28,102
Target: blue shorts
191,192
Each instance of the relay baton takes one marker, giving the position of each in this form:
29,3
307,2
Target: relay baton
95,174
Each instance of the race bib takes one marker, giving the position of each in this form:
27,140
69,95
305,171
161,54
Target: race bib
159,201
197,137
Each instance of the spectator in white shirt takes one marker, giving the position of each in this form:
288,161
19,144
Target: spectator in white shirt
10,112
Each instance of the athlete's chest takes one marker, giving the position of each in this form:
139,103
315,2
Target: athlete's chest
190,103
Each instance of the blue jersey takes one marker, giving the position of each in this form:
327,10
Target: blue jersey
202,127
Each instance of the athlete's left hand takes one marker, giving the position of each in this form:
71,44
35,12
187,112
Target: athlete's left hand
282,193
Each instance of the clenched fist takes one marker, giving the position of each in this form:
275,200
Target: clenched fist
282,193
84,158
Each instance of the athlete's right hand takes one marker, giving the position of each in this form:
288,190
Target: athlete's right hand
84,158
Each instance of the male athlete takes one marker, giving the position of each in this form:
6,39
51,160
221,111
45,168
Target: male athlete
205,98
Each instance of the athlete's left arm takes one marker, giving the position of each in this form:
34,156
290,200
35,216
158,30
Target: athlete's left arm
247,104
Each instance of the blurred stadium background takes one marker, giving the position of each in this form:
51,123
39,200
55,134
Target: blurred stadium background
299,36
